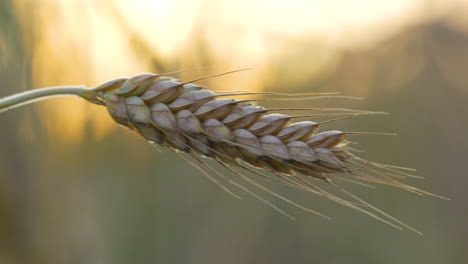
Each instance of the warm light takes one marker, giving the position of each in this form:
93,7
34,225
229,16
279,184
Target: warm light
90,42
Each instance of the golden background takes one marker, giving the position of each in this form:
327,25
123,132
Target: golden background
76,188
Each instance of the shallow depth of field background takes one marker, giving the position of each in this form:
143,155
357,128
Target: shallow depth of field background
76,188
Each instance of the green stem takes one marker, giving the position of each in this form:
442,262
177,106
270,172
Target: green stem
27,97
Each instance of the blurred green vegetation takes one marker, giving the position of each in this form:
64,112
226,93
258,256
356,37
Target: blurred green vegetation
116,199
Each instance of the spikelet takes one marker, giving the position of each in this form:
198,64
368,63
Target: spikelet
188,118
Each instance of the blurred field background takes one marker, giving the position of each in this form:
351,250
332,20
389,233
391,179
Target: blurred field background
76,188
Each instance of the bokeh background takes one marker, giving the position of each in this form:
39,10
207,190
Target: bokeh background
76,188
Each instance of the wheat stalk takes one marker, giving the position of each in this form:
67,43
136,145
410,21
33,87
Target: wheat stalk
188,118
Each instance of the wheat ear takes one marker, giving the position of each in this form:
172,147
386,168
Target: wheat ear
237,133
